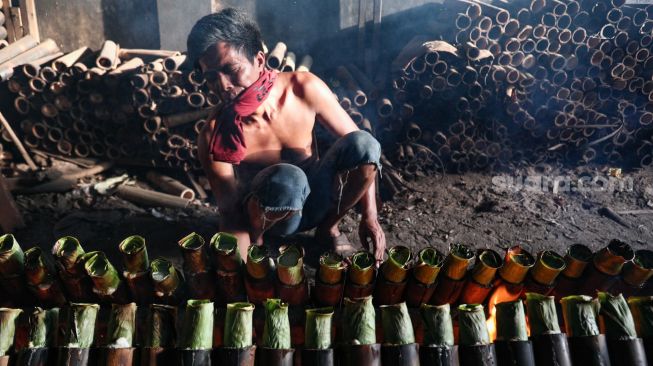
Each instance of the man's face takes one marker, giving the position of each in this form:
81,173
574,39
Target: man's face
229,71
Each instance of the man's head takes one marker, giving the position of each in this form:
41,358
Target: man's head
227,47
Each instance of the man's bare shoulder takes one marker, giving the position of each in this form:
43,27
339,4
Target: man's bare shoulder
304,84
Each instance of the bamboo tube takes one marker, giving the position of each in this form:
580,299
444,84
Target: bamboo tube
197,329
331,270
134,254
8,323
16,48
290,266
361,271
106,282
40,280
474,339
80,325
12,257
43,326
226,255
258,262
122,326
512,345
276,56
173,63
68,60
108,57
516,265
395,268
166,280
276,332
238,325
429,262
160,330
359,321
397,326
170,185
456,263
306,64
618,324
288,64
318,328
149,197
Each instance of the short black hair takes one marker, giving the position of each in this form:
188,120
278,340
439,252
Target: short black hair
229,25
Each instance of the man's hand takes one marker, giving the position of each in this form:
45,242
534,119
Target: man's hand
370,229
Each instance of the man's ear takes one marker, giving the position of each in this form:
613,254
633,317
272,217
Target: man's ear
260,60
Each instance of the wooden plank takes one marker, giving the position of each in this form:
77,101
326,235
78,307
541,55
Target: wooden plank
10,217
28,17
9,22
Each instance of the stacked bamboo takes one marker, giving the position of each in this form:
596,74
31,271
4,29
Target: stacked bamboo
541,81
142,107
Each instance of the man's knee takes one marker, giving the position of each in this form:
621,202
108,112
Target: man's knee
281,187
358,148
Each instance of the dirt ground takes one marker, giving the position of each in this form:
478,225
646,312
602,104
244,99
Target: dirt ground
476,209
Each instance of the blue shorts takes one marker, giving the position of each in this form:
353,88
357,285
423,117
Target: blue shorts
308,191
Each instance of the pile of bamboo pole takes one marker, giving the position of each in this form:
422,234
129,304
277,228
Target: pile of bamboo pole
521,82
142,107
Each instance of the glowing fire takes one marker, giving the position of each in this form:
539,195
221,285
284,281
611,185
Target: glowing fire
502,293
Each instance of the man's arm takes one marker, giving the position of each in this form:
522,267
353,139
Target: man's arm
224,187
335,118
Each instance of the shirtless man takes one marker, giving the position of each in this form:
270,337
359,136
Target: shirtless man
257,149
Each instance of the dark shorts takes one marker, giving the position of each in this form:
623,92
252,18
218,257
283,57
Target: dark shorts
309,190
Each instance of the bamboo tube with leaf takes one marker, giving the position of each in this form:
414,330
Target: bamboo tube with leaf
259,281
399,347
393,273
42,326
474,345
586,344
196,338
121,334
167,283
438,348
642,309
317,337
68,252
199,276
329,280
160,335
229,268
550,345
512,345
481,280
635,274
78,334
8,325
576,258
423,276
107,284
361,275
359,333
291,284
276,342
617,323
41,280
136,268
542,277
238,347
452,277
603,272
12,269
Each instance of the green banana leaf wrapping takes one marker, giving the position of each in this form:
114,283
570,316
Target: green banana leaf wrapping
616,317
397,327
238,325
103,274
165,277
80,325
134,254
8,322
197,330
226,245
542,315
12,258
511,321
438,326
580,314
66,251
42,327
276,331
473,329
359,321
290,266
317,334
122,325
642,309
161,326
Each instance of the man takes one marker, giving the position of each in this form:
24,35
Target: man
257,151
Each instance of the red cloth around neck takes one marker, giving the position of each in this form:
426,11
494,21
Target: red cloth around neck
228,142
